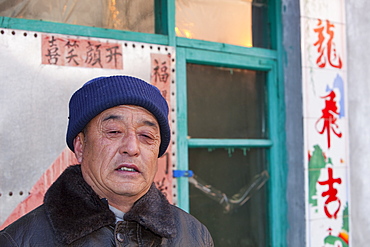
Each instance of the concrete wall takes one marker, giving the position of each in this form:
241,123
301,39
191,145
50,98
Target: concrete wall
358,57
295,194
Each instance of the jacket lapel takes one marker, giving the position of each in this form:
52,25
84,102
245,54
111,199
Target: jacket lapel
154,212
75,210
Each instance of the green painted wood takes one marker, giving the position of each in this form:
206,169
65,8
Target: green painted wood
278,207
161,17
229,143
171,17
222,47
277,164
68,29
182,142
227,60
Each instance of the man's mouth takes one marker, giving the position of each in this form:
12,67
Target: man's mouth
128,169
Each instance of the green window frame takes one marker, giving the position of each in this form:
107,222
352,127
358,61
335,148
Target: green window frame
209,53
267,61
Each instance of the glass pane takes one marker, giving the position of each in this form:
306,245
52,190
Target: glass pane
230,172
137,16
225,102
236,22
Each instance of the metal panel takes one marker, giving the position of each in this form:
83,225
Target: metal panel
34,105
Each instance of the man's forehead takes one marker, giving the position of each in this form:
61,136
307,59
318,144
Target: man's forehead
118,113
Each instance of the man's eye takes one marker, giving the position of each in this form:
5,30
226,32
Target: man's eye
146,136
114,132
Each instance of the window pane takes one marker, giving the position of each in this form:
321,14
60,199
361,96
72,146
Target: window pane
225,102
230,172
236,22
137,16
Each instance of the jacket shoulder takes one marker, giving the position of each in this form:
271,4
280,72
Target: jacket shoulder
31,229
191,232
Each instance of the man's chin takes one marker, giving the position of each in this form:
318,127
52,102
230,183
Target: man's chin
128,189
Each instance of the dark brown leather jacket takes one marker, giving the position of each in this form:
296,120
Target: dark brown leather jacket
73,215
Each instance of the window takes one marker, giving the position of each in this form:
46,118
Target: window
227,103
137,16
229,136
236,22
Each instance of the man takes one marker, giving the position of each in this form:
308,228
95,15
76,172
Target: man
118,127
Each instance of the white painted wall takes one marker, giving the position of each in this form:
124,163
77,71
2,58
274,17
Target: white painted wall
358,57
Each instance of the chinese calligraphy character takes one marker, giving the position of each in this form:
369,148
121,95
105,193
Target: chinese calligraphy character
64,51
71,44
113,54
52,52
93,56
164,93
328,117
160,71
331,193
161,185
71,56
326,46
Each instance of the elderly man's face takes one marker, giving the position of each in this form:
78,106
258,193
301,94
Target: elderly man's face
119,151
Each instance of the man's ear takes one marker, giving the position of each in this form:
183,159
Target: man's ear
78,144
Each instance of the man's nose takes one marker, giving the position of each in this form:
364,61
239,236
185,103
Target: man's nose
130,145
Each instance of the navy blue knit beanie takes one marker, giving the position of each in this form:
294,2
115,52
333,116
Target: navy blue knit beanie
103,93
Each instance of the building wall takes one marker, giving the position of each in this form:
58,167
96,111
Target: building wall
296,235
325,122
358,36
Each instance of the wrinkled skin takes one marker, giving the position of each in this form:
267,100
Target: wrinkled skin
118,153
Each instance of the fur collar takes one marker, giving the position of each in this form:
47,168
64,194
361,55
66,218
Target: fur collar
75,210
